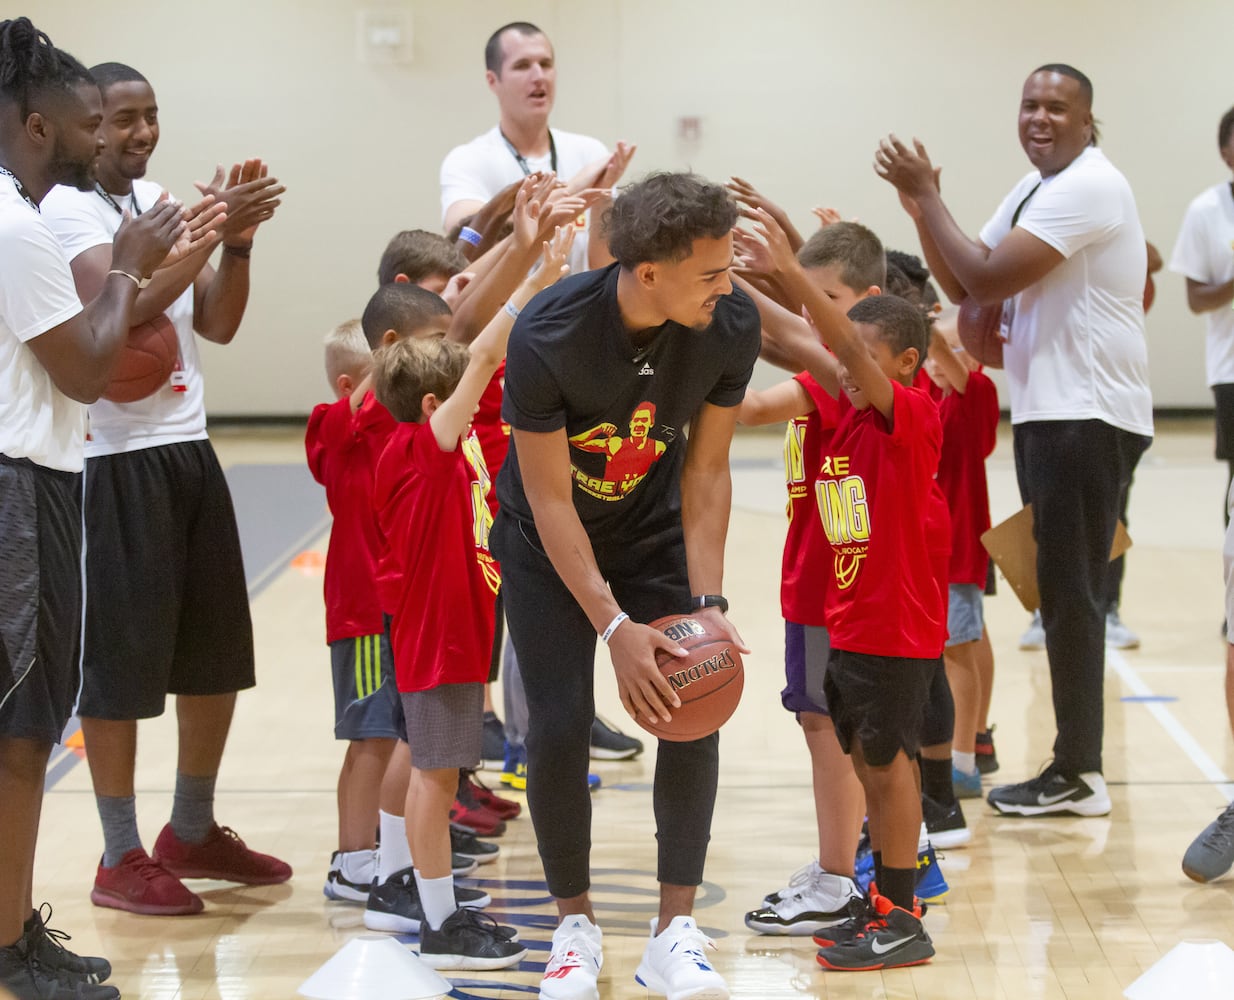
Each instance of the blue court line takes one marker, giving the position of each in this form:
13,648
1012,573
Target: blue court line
280,510
1145,698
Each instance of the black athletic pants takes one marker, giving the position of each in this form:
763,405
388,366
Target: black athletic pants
1075,473
556,648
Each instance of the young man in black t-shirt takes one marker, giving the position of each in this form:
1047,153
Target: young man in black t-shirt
612,516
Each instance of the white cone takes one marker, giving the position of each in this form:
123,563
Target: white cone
1197,970
374,967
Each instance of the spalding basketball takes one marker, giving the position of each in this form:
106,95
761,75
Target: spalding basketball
978,327
146,362
709,680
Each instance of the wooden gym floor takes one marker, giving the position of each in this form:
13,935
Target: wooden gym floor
1060,908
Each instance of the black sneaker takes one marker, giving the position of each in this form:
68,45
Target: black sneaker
47,946
468,845
610,743
945,825
1052,793
461,864
394,905
987,759
894,938
25,976
493,743
469,940
846,931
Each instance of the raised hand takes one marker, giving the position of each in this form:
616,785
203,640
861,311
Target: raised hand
555,258
142,243
752,254
750,200
779,250
615,169
249,196
826,217
910,172
528,207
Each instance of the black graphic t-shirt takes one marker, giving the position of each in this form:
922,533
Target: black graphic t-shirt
571,364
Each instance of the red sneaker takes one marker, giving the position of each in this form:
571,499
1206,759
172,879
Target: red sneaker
477,819
485,796
139,884
222,856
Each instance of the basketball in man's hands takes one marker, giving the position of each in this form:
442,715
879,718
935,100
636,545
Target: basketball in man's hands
980,331
146,361
708,680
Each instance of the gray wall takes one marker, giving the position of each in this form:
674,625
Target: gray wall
793,95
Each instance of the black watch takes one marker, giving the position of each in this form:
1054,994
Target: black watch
712,601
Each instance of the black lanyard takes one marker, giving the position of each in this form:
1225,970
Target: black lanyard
1015,217
21,188
102,193
521,160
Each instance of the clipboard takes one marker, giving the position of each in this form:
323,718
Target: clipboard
1014,550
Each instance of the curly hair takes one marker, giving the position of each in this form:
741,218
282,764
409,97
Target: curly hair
660,217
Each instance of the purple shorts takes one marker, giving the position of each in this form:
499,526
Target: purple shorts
806,649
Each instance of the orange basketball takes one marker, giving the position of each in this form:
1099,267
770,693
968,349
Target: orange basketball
146,362
978,327
708,681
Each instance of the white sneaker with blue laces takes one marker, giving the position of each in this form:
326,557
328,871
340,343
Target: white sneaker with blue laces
675,963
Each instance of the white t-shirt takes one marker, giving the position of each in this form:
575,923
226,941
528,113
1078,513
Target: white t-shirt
81,221
1205,253
1076,349
478,170
37,421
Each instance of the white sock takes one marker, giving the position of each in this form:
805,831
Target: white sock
437,898
356,866
965,762
394,854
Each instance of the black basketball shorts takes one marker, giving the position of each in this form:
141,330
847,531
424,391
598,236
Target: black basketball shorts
167,608
879,701
40,598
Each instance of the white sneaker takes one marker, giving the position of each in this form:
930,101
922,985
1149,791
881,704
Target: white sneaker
1034,635
350,876
1117,635
575,962
675,963
813,900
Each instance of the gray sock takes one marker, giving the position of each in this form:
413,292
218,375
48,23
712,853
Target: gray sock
119,816
192,809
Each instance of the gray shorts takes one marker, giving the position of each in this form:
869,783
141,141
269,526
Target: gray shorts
444,725
965,616
366,701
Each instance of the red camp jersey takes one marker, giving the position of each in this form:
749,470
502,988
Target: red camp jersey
492,432
439,580
342,449
873,490
970,430
806,568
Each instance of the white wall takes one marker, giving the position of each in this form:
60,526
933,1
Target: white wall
791,94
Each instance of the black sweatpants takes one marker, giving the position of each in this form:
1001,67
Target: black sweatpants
556,648
1076,474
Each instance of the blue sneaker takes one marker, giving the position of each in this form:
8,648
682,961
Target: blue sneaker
931,886
514,770
593,782
966,786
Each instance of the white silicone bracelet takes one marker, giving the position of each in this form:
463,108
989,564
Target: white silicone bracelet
612,627
512,310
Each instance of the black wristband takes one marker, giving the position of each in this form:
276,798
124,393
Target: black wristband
711,601
243,252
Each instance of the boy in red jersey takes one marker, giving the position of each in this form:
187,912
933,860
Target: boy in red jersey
968,410
884,612
441,583
847,262
343,442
